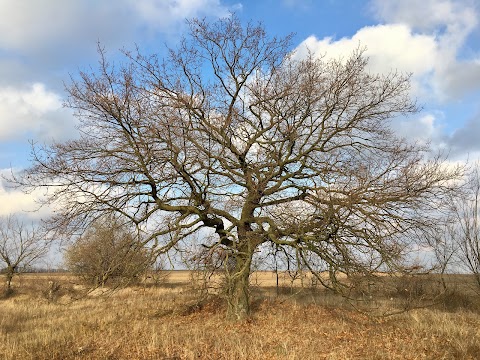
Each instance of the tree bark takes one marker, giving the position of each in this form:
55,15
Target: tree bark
9,275
238,295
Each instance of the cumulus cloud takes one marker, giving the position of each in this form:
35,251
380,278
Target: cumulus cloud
33,112
14,201
449,23
424,38
457,78
388,47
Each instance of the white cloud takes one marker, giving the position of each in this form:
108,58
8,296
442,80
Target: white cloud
389,47
449,23
17,202
392,47
33,112
430,40
428,15
424,38
14,201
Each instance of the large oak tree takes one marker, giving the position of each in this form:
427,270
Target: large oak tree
234,133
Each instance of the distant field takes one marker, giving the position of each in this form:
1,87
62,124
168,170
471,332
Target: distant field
50,316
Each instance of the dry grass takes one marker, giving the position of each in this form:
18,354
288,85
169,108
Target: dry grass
167,323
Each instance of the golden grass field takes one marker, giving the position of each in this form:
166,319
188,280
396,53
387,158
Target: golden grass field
167,322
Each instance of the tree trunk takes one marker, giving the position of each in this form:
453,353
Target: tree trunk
238,287
9,276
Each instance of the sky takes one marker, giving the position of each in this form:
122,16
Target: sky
43,42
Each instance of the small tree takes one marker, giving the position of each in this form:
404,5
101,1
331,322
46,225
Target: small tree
444,246
107,252
465,232
20,246
232,134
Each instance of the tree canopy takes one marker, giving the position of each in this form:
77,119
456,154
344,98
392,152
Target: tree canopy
235,133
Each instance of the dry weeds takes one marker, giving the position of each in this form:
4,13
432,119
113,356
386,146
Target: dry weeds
167,323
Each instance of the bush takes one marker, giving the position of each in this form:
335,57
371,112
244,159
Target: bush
108,253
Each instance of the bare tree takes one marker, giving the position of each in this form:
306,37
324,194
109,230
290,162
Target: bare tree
232,133
20,246
465,231
108,252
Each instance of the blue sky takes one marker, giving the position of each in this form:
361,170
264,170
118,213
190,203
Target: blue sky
42,42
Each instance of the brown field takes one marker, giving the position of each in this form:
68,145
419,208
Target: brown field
167,321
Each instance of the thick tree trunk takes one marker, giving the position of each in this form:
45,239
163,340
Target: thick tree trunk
238,287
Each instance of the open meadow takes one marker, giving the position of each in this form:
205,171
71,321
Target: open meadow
51,316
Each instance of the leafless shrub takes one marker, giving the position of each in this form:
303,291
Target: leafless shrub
466,230
108,253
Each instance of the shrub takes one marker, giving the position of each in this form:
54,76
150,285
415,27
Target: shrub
108,252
